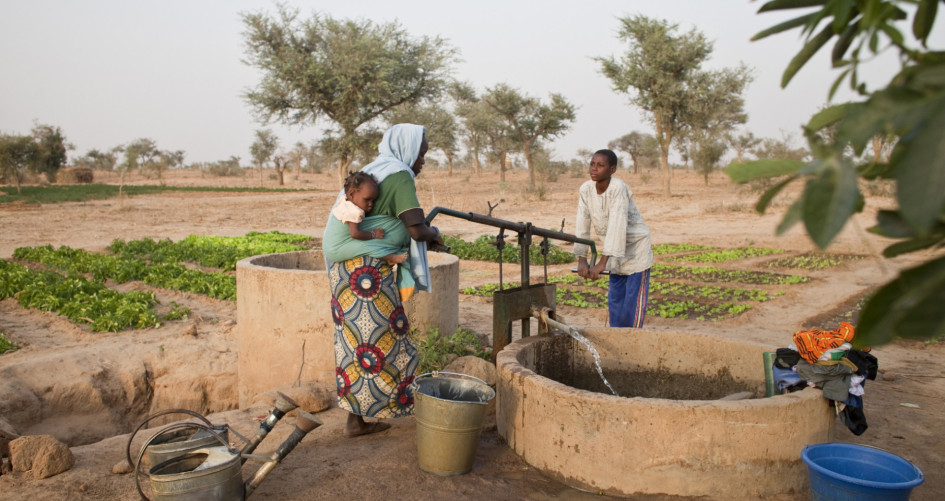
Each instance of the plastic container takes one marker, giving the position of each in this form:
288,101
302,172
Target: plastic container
449,412
841,472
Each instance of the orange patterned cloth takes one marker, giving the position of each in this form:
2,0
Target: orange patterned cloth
813,343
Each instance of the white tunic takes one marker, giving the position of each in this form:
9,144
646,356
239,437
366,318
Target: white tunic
616,219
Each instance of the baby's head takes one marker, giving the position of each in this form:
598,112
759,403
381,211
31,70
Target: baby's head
361,190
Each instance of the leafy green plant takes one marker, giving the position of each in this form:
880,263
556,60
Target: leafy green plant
812,261
177,312
660,249
7,345
437,350
86,301
909,112
124,268
13,277
720,256
211,251
712,274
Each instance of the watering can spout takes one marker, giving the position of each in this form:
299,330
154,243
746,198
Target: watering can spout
283,406
305,423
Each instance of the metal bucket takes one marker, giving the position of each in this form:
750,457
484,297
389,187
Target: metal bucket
449,412
210,473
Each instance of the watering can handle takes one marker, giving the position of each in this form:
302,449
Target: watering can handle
158,414
172,427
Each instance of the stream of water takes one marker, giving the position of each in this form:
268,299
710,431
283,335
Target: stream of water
590,347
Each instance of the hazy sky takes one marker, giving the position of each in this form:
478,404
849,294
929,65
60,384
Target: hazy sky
108,72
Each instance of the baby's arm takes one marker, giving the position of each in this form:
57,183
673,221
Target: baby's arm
359,234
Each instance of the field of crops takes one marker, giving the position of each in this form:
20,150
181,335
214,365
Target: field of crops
73,282
705,293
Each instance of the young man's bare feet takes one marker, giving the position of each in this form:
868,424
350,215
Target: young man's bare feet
393,259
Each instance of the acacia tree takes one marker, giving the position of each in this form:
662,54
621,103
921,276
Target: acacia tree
17,154
910,106
742,143
50,151
530,120
466,100
262,150
348,72
499,137
101,160
661,73
714,112
638,145
442,130
297,154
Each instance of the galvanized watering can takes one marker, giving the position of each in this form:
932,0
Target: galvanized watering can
194,461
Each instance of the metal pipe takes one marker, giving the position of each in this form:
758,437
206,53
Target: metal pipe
517,227
304,423
283,406
545,316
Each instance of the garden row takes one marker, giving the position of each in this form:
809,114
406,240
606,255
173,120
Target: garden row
484,248
71,282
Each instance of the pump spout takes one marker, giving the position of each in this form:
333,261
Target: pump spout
304,423
283,406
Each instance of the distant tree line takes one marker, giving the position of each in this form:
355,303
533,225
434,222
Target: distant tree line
355,78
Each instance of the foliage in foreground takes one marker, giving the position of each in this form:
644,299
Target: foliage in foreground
436,350
911,110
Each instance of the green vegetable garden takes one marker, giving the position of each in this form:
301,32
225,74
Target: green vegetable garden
75,283
678,291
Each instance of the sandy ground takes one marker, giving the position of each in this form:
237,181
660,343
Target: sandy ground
91,389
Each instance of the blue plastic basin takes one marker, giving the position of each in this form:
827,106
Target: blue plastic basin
841,472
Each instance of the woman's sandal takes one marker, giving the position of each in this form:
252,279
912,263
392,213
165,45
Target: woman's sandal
374,427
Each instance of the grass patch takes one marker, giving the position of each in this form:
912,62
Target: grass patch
660,249
437,350
721,256
84,192
812,261
666,299
713,274
7,345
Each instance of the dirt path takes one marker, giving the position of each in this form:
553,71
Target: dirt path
193,361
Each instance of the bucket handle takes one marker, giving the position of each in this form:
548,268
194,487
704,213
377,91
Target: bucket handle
437,373
414,386
172,427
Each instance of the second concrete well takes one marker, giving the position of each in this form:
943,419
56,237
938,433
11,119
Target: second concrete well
717,449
